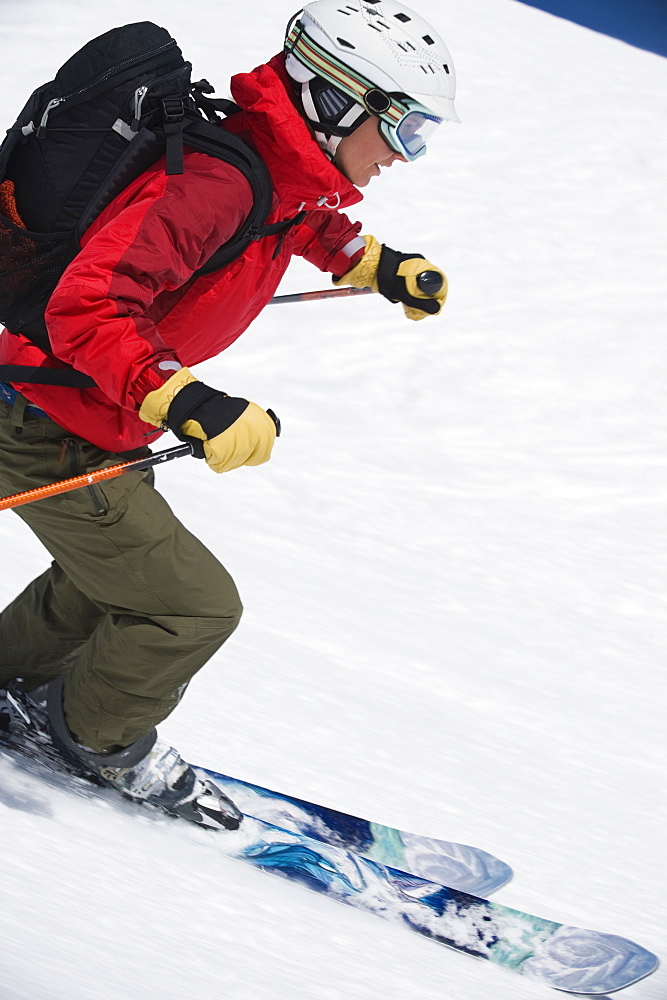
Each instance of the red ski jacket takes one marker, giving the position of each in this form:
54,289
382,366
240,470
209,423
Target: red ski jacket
127,311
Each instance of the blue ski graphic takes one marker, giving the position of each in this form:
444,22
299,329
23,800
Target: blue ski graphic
571,959
467,868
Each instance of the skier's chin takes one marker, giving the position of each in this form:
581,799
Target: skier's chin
367,176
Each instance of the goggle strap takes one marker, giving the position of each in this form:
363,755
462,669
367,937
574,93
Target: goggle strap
354,84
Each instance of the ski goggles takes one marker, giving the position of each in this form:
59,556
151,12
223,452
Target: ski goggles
404,124
410,137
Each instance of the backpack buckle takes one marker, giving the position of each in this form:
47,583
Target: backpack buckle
173,110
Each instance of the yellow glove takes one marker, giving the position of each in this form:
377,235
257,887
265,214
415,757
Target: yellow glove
225,430
400,277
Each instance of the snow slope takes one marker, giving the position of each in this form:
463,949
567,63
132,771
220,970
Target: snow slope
453,569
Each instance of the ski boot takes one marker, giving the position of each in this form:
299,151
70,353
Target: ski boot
148,771
23,718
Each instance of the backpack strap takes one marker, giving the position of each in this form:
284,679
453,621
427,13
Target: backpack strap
210,138
173,115
215,108
46,376
181,127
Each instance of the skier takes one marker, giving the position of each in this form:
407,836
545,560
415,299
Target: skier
133,604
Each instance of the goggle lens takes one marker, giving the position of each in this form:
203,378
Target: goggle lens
415,130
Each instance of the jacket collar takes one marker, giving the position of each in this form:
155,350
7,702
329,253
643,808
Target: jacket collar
301,172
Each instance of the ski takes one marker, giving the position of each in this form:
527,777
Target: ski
469,869
567,958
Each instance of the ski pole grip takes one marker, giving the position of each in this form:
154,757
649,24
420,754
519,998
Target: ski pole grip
429,282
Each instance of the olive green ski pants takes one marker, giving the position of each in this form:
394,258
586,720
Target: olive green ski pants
132,605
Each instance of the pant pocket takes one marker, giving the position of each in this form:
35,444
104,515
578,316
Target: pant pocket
73,461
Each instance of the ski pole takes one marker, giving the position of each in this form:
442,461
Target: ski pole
89,478
111,472
429,283
326,293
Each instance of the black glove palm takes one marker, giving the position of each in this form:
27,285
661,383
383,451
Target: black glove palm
400,277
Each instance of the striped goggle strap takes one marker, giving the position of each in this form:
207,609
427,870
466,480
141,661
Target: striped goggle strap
356,86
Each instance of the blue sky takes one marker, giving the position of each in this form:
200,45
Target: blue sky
642,23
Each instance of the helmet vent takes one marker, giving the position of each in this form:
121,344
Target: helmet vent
446,68
428,39
402,17
348,45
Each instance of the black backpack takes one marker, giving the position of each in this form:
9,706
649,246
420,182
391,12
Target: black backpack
113,109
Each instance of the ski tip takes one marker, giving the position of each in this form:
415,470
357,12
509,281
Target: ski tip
589,963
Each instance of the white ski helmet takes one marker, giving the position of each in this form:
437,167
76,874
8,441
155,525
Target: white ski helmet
355,58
